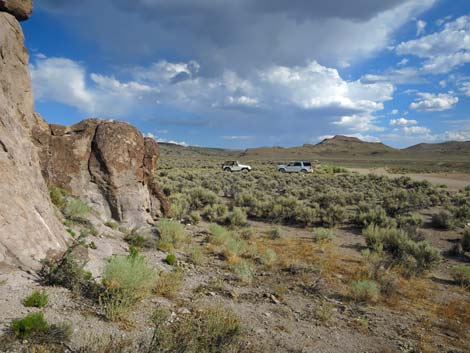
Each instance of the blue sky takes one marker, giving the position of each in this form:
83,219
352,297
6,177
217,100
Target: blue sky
245,74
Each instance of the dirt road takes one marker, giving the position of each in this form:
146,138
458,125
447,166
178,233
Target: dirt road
454,181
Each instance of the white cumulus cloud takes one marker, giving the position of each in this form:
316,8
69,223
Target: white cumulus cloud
434,102
402,122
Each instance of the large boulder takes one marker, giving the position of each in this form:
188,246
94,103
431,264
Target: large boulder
29,229
105,162
21,9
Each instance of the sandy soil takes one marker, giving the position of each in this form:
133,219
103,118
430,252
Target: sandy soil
454,181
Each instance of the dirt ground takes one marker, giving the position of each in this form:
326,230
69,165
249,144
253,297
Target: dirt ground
289,308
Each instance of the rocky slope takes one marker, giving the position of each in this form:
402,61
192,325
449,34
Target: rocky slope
29,228
107,163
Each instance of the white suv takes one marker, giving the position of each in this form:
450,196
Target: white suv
296,167
235,166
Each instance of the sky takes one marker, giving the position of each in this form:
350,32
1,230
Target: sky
246,73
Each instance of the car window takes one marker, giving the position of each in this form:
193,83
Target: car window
297,164
290,164
307,164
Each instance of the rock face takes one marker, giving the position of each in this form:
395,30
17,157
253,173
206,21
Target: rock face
21,9
108,163
29,228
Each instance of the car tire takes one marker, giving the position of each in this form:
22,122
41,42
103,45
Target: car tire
304,171
227,170
245,170
282,170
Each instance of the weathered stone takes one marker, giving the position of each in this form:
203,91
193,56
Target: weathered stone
21,9
108,163
29,229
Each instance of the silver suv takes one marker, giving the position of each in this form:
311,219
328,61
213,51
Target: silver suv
296,167
235,166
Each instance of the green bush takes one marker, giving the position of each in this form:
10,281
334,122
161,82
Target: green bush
37,299
170,259
461,275
195,255
172,235
31,324
213,329
443,220
365,291
332,216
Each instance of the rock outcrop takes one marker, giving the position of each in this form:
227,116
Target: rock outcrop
21,9
107,163
29,228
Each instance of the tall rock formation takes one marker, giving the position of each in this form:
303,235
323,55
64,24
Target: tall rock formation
107,163
29,228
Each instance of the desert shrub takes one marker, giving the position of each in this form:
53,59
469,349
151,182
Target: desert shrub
377,216
112,224
332,216
37,299
135,240
323,311
416,257
233,248
200,197
274,233
322,234
307,215
179,206
102,344
170,259
195,255
172,235
244,271
67,271
237,217
443,220
195,217
75,208
58,196
219,235
466,240
215,213
247,233
126,280
269,257
169,283
409,222
364,291
213,329
129,274
461,275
